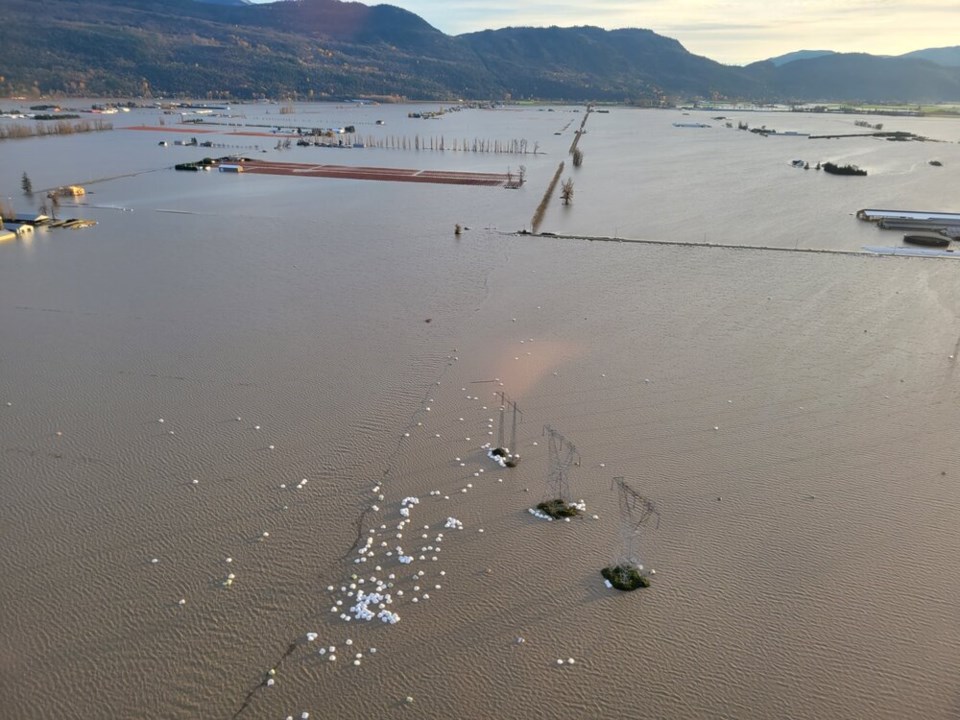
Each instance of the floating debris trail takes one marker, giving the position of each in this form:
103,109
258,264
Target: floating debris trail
359,524
249,698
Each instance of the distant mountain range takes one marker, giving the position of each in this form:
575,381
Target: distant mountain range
326,49
791,56
948,56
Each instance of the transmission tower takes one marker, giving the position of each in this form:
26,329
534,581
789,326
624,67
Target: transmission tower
562,454
513,428
635,512
509,452
503,410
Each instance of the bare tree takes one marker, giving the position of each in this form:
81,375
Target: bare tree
566,191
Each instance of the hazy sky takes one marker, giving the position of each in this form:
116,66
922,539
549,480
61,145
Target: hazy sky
723,30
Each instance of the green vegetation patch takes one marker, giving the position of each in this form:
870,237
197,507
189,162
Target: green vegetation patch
625,577
558,509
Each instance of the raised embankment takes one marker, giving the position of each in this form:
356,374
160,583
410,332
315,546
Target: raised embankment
542,207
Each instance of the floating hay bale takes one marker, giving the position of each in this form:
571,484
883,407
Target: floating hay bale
625,577
558,508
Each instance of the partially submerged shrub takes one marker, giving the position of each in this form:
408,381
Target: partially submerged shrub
558,509
625,577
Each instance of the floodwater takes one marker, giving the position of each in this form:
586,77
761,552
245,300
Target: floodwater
790,414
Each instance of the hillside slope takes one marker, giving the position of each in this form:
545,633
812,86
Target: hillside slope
316,49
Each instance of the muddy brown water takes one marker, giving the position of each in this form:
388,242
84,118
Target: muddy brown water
792,416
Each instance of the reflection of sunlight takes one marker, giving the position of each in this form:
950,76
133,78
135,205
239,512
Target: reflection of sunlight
520,371
15,239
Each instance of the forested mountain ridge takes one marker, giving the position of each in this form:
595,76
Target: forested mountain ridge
317,49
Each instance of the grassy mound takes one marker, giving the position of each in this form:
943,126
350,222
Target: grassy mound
625,577
558,509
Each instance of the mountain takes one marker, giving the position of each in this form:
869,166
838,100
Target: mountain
947,56
327,48
309,48
798,55
859,77
601,64
316,49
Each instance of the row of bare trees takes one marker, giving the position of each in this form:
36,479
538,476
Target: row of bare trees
61,127
477,145
516,181
566,187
